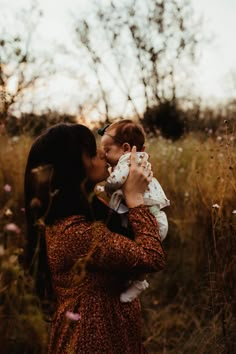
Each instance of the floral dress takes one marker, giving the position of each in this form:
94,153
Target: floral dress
89,266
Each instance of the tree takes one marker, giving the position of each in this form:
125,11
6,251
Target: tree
139,47
21,69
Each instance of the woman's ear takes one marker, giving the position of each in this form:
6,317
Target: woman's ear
126,147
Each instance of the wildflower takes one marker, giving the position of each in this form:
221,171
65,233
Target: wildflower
13,259
7,188
73,316
216,206
8,212
15,139
1,250
35,203
180,149
155,302
43,174
234,211
12,227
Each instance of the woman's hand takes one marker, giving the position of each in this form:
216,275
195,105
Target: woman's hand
139,177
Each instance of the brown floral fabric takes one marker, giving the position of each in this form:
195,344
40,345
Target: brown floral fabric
104,261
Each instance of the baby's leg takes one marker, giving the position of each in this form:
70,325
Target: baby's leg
134,290
161,220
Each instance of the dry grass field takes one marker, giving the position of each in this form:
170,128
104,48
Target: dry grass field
189,307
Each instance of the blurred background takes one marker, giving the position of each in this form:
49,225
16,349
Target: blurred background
170,65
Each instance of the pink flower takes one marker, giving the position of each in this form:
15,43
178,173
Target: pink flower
12,227
73,316
7,188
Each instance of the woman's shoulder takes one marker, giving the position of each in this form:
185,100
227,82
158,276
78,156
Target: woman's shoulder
67,223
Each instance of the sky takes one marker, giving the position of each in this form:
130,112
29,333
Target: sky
211,75
219,57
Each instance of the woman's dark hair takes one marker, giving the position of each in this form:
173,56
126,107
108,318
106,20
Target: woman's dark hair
54,187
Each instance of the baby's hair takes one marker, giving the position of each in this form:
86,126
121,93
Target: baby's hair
127,131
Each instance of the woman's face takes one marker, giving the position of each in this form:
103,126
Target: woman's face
96,167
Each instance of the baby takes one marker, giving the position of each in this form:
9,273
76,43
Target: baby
117,142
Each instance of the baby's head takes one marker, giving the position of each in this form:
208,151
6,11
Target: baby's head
119,138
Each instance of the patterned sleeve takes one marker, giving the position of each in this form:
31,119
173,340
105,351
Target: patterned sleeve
109,251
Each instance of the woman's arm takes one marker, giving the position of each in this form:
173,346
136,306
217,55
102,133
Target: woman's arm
117,253
112,252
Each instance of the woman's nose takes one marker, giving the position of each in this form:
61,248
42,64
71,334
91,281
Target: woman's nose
101,154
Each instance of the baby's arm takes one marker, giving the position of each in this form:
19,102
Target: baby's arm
118,176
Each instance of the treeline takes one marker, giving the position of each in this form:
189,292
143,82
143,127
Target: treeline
168,119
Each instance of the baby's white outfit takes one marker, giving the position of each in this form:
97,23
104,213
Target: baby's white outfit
154,197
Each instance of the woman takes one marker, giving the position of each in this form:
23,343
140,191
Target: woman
79,258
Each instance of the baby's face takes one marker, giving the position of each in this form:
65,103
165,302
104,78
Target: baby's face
113,151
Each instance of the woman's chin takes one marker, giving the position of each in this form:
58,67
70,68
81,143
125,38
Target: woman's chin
107,172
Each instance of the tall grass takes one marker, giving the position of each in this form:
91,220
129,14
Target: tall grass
13,154
189,306
23,328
